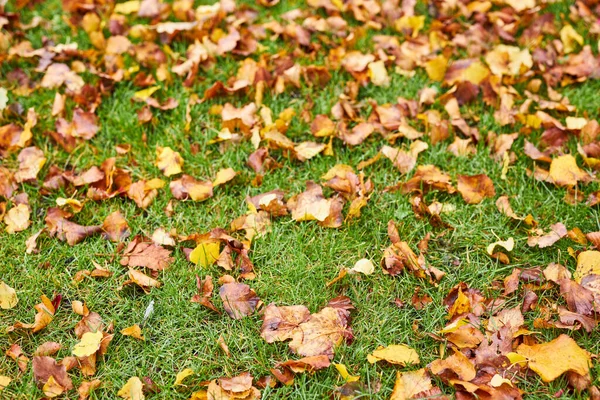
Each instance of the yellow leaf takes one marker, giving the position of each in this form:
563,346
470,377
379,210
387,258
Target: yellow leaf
498,381
17,219
89,344
52,388
378,73
224,175
515,358
507,244
363,266
436,68
4,382
410,383
129,7
395,354
8,296
134,331
570,38
341,368
205,254
575,123
588,263
132,390
182,375
145,93
565,172
168,161
201,395
550,360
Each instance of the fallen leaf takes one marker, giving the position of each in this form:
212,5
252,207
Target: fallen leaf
223,176
558,231
134,331
551,360
398,354
132,390
458,364
145,254
4,381
89,344
52,388
17,218
181,375
205,289
142,280
168,161
115,227
474,189
45,367
280,322
239,300
8,296
363,266
588,263
409,384
86,387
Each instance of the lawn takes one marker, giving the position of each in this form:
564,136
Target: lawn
295,261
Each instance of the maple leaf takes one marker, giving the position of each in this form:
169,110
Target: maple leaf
239,300
280,322
146,254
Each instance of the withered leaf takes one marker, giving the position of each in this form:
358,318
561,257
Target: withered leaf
146,254
239,300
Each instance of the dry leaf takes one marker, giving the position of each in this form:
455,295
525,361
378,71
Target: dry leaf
132,390
168,161
474,189
398,354
134,331
8,296
551,360
239,300
146,254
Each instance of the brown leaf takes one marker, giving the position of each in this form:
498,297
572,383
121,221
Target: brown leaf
322,332
86,387
146,254
474,189
558,231
312,205
142,280
45,367
58,225
115,227
15,352
205,289
458,364
280,322
31,161
47,349
239,300
188,187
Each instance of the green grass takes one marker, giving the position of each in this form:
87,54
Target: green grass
293,261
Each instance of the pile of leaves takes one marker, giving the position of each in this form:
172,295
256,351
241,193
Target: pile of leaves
512,57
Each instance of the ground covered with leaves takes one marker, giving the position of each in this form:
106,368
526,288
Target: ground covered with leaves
323,199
